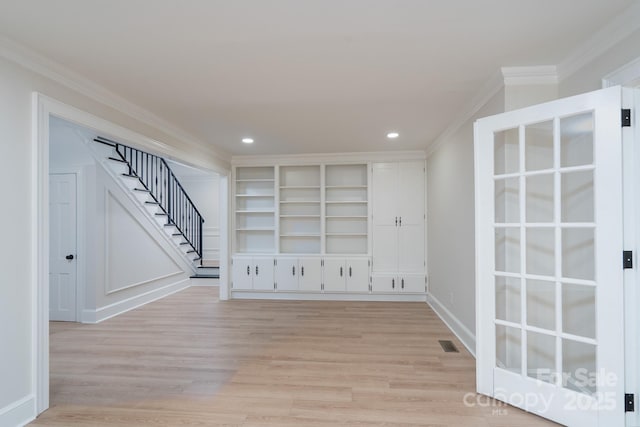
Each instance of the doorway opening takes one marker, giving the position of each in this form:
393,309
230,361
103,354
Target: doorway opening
53,182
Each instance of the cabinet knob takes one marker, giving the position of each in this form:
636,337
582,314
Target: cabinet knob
393,283
402,283
396,221
248,270
256,270
302,270
349,271
400,221
293,270
340,271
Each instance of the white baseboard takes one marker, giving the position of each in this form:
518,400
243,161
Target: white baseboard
205,282
238,294
111,310
19,413
466,337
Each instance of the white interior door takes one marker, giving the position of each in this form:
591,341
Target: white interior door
548,250
62,253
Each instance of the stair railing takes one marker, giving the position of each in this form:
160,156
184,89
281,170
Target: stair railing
167,193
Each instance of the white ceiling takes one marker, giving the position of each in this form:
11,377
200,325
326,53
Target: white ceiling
303,76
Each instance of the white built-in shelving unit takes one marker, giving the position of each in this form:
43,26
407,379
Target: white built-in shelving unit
255,210
307,228
300,209
346,209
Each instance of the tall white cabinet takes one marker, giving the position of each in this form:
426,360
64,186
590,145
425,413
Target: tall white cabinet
398,218
328,230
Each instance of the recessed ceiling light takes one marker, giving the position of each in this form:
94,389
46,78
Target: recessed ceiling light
247,140
393,135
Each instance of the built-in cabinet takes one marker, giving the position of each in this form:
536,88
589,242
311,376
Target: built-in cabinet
352,228
253,273
298,274
398,223
346,275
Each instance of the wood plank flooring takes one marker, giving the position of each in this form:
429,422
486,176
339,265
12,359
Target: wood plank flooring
191,360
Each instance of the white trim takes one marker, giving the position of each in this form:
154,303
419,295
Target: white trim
466,337
327,296
144,282
490,89
205,282
58,73
333,158
537,75
108,311
224,203
40,251
601,41
19,413
627,75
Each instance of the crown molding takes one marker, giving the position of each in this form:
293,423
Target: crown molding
493,85
334,158
537,75
621,27
33,61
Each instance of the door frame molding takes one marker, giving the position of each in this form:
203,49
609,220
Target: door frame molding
628,76
44,107
80,255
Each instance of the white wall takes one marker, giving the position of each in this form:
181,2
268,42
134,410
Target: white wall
589,77
203,191
450,225
17,273
450,191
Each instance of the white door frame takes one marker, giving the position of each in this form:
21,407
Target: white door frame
629,76
43,108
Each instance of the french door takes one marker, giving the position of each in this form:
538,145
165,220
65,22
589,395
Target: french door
549,300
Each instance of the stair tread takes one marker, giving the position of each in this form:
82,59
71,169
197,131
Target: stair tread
205,276
144,190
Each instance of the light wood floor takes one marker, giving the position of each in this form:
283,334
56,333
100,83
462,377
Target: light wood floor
192,360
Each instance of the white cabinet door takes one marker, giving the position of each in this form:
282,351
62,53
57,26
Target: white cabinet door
411,249
262,273
286,274
334,275
412,283
310,275
384,283
410,193
242,277
384,188
357,272
385,248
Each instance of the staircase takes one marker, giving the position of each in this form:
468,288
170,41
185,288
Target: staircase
155,186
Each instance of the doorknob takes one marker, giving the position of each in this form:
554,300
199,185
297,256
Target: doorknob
69,257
